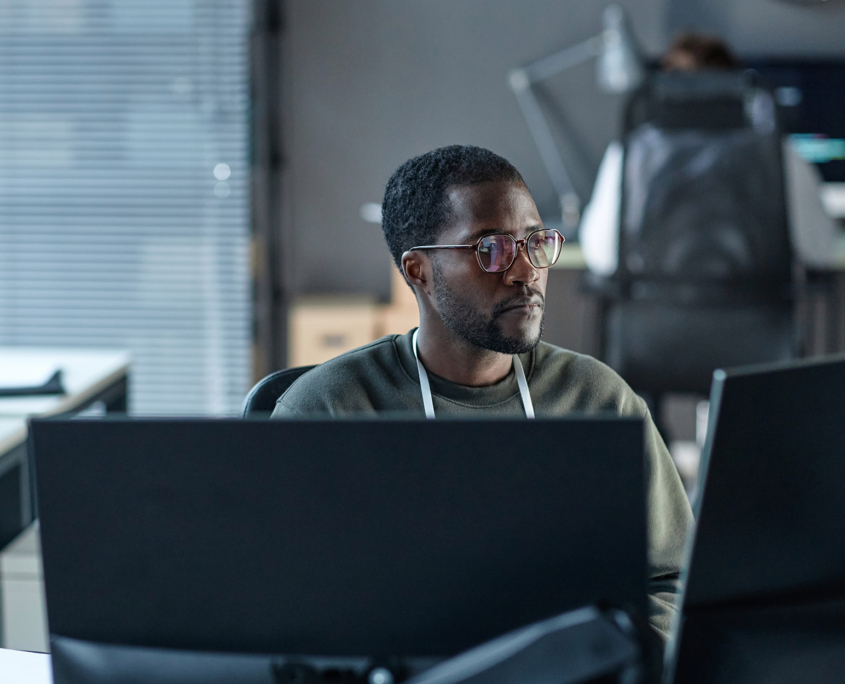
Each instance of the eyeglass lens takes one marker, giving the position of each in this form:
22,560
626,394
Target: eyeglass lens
496,253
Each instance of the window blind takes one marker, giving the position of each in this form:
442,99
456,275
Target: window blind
124,202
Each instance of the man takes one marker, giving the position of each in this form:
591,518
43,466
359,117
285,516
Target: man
463,228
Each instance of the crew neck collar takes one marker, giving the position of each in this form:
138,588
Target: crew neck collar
504,390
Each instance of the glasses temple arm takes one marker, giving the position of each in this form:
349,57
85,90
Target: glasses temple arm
443,247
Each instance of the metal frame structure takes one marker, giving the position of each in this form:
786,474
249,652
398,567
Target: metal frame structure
620,70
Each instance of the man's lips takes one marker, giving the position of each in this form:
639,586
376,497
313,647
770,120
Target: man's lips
524,305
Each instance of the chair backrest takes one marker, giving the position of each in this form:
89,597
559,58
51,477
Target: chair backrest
705,262
262,397
702,190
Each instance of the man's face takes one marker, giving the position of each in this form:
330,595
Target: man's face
502,312
679,60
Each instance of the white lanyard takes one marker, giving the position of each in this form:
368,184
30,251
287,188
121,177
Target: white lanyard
428,403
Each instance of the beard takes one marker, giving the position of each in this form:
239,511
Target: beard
477,329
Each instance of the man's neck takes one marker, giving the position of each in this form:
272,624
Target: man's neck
457,360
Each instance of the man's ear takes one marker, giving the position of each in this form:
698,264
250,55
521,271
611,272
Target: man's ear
417,269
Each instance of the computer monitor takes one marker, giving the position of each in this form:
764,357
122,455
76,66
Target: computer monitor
190,548
811,97
764,599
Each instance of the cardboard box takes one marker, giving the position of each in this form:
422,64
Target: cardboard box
401,294
402,313
397,320
324,327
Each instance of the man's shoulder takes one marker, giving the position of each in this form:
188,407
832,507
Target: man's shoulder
374,352
552,358
349,365
344,381
589,383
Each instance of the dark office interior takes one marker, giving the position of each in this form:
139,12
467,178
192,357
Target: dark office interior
217,455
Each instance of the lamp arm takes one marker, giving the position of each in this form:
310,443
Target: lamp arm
520,81
542,134
564,59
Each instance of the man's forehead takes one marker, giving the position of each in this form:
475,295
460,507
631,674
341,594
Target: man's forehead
506,205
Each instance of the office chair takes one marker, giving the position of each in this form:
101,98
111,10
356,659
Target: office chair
262,397
705,271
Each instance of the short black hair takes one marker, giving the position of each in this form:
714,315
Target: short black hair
416,203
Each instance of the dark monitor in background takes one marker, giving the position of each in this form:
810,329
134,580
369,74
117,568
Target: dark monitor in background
765,590
811,97
201,550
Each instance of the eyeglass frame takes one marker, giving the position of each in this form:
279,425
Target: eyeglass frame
519,243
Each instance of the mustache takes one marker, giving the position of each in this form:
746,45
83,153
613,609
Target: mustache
528,295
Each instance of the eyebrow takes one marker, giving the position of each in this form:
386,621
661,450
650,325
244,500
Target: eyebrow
483,232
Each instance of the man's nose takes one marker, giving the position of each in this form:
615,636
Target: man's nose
522,270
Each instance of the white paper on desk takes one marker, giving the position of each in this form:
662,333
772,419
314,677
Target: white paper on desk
23,667
26,373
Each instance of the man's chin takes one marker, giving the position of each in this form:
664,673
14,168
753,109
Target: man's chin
514,345
520,341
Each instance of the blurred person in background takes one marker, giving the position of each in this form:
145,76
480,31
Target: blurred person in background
815,236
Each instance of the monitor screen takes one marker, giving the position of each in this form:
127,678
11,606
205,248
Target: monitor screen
811,96
185,544
764,599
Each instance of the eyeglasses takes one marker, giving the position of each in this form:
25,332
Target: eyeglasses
496,253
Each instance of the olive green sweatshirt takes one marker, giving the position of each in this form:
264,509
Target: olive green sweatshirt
383,376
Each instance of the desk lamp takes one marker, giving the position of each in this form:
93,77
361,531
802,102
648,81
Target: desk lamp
619,69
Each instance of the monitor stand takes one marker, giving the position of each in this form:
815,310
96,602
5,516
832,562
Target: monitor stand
583,646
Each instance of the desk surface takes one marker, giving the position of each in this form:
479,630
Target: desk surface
88,376
12,433
85,373
23,667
